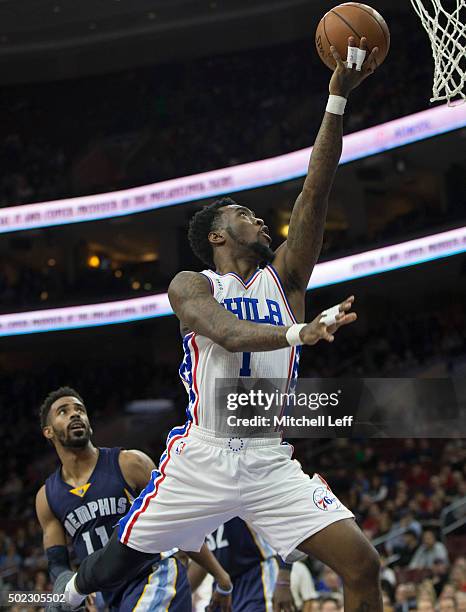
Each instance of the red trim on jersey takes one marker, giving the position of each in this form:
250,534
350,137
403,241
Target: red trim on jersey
196,390
249,283
162,467
277,280
290,368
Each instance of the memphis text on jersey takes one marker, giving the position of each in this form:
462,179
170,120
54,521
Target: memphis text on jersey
105,506
290,421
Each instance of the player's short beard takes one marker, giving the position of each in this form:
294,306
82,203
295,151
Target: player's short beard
263,252
69,442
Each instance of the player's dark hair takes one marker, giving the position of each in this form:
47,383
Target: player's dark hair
52,397
201,224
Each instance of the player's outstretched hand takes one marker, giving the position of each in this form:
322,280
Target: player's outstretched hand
318,330
345,79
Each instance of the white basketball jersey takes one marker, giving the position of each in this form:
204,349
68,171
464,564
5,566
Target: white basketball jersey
261,300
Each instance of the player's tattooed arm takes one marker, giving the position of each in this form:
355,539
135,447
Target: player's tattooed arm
296,258
191,299
136,468
198,311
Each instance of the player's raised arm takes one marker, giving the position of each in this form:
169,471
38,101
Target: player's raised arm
53,536
296,258
198,311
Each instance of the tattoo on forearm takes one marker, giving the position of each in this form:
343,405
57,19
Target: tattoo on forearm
308,217
199,312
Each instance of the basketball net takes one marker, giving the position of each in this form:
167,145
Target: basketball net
447,33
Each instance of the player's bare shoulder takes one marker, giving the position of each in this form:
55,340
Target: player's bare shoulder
186,285
136,467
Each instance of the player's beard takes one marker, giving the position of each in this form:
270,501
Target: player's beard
263,253
68,440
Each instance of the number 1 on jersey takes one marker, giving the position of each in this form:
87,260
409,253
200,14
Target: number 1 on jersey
246,366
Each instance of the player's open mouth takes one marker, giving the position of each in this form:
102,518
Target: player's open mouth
264,233
76,426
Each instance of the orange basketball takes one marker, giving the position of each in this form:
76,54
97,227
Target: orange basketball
351,19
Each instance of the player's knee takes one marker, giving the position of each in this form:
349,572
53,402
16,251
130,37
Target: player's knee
364,570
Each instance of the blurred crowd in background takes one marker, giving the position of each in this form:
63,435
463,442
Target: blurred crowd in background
79,137
72,138
398,489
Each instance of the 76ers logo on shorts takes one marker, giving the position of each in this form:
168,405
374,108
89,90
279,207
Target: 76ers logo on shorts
325,500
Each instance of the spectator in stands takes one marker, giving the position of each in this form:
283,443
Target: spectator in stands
330,604
406,551
447,604
378,490
302,586
405,597
425,605
460,601
428,552
458,575
440,575
330,582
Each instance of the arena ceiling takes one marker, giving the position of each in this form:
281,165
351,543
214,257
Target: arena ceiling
55,39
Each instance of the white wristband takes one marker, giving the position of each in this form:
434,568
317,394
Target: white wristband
336,105
292,335
329,316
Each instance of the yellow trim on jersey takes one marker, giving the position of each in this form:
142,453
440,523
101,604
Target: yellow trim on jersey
81,491
174,583
129,496
143,591
256,542
264,566
264,588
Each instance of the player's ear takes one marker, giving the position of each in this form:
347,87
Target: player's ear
48,432
217,237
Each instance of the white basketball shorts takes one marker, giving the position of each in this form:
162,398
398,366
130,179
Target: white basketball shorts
203,481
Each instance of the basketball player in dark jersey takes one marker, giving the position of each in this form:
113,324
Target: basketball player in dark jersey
254,568
87,495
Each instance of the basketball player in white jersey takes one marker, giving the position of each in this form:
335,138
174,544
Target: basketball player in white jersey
238,321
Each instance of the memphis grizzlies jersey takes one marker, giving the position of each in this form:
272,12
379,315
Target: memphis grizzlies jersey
261,299
90,512
237,547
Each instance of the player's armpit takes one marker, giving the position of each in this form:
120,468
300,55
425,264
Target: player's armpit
53,532
191,299
136,468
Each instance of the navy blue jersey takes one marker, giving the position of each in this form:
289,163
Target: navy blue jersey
237,547
90,512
